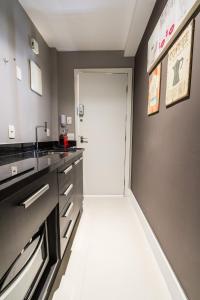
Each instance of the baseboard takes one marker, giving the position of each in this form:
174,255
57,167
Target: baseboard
172,282
103,196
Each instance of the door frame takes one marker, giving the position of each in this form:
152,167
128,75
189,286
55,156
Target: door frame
129,115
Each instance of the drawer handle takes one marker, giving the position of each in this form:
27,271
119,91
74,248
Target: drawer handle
69,230
66,171
68,211
68,190
78,161
28,202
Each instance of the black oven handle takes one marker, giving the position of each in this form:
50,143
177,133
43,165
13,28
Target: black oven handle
29,201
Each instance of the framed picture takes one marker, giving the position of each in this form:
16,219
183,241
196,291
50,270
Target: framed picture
154,90
179,67
36,78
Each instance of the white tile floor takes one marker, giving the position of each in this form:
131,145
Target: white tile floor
111,258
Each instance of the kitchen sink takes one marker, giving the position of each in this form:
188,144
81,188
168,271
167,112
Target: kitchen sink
48,153
54,152
59,151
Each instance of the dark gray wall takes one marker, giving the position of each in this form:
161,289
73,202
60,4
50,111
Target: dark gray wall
68,61
166,165
54,93
19,105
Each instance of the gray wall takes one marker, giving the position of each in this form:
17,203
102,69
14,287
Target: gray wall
22,107
54,93
19,105
68,61
166,165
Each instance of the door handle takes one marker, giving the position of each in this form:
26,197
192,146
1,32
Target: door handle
69,209
78,161
28,202
68,190
69,230
66,171
83,140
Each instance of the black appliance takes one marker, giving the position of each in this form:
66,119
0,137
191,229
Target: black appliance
22,278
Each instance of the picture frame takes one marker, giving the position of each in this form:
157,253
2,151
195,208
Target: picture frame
36,78
154,90
179,67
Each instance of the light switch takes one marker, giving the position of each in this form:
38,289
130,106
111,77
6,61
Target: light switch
48,132
71,136
18,73
69,120
11,132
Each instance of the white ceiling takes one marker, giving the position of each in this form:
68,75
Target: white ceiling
80,25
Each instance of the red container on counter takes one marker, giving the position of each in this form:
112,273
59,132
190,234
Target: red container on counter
64,140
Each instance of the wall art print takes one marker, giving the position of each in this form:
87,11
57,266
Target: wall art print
154,90
36,78
174,17
179,67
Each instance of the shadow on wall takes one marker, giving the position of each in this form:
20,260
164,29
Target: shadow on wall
22,108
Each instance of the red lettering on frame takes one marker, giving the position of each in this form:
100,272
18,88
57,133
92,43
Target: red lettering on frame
162,43
171,29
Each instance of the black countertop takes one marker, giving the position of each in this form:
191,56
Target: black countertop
20,169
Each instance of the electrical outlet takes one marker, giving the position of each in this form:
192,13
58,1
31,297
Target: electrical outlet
69,120
11,132
71,136
14,170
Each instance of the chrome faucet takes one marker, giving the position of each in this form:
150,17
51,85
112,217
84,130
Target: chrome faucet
36,133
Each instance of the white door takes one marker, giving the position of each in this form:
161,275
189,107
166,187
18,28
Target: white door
103,130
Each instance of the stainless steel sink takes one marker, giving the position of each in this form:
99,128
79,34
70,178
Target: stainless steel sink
47,153
54,152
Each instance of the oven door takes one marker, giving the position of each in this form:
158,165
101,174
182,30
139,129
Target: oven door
21,279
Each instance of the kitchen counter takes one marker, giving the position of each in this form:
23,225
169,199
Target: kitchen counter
41,198
20,169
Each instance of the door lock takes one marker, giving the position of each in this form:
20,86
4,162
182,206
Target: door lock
83,140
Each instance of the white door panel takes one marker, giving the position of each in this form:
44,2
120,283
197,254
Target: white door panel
104,125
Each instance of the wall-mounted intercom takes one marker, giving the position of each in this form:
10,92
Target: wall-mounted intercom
81,110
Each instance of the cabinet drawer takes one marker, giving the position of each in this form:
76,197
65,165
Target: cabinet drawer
65,177
66,236
22,213
66,216
65,196
66,186
78,184
63,186
68,209
63,225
